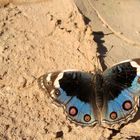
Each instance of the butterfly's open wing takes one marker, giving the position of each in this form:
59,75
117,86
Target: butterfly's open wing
122,82
73,90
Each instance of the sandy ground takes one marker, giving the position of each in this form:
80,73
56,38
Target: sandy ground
115,26
52,35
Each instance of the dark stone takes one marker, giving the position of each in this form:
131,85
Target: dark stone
59,134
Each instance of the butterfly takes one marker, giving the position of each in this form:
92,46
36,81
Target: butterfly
109,98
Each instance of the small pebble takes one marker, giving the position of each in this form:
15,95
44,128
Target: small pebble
59,134
22,81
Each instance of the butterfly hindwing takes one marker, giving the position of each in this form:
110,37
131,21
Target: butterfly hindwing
123,89
72,89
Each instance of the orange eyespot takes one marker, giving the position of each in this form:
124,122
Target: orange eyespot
73,111
113,115
127,105
87,118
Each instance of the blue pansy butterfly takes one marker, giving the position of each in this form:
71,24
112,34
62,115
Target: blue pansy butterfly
110,98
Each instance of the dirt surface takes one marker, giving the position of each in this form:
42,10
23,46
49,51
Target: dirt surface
47,36
115,26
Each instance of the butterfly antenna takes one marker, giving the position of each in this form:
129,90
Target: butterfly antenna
95,63
102,60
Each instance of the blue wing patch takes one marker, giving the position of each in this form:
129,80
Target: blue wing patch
121,109
80,112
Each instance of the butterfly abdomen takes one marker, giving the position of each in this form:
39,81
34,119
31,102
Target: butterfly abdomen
99,91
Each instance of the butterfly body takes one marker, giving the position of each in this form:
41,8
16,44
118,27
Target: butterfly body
110,98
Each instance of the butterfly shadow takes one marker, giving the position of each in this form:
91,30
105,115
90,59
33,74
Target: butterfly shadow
98,38
101,48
